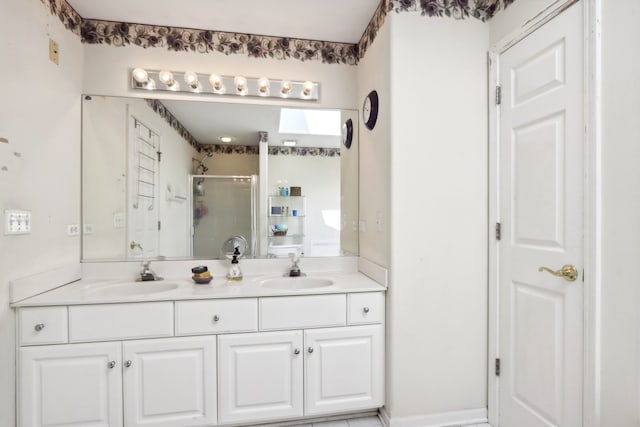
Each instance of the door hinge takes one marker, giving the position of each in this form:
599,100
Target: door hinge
497,367
159,226
498,95
159,153
498,231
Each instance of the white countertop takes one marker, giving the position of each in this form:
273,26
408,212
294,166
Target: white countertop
83,291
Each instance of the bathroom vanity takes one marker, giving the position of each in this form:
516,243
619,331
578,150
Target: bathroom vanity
110,352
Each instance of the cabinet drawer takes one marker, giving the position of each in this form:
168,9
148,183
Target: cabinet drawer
303,312
216,316
102,322
43,325
365,308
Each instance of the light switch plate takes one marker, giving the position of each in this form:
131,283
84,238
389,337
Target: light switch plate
17,222
54,52
87,229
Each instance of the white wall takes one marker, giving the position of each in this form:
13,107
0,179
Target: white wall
515,16
620,327
375,152
232,164
40,115
439,197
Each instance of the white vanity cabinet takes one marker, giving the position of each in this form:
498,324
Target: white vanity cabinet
71,384
260,376
170,382
344,369
165,382
230,361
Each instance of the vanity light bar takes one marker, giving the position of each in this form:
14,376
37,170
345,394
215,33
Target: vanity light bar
213,84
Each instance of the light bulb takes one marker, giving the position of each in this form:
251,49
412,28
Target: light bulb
166,77
263,86
225,139
285,88
174,86
241,85
192,79
216,82
307,88
140,75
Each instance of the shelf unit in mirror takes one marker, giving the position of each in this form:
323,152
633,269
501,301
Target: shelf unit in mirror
286,222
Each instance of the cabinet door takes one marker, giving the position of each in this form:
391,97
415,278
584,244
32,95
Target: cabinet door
260,376
344,369
170,382
71,385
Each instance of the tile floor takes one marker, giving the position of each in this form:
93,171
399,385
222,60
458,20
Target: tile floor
355,422
362,422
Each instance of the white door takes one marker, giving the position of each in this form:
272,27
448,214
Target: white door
541,210
143,185
71,385
170,382
344,369
260,376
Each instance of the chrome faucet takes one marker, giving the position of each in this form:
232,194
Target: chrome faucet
147,274
294,270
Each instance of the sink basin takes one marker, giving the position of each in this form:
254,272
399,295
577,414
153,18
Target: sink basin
294,283
131,288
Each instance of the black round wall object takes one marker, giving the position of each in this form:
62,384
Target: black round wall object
370,110
347,133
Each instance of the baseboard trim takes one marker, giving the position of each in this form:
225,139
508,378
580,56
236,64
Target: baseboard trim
443,419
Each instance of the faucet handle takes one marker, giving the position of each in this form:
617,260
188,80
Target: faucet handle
295,257
145,264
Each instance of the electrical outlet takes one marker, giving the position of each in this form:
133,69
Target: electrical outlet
54,52
87,229
378,220
118,220
73,230
17,222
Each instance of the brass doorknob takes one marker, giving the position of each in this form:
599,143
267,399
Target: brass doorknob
567,271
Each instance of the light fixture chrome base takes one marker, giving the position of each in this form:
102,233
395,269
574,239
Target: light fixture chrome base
217,85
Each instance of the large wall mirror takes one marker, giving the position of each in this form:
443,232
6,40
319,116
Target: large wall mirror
176,179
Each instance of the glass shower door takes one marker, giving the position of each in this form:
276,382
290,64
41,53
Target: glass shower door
222,207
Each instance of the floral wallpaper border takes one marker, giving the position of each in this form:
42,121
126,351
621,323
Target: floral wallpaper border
160,109
176,39
304,151
457,9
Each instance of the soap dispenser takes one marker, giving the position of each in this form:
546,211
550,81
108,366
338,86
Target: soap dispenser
234,270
